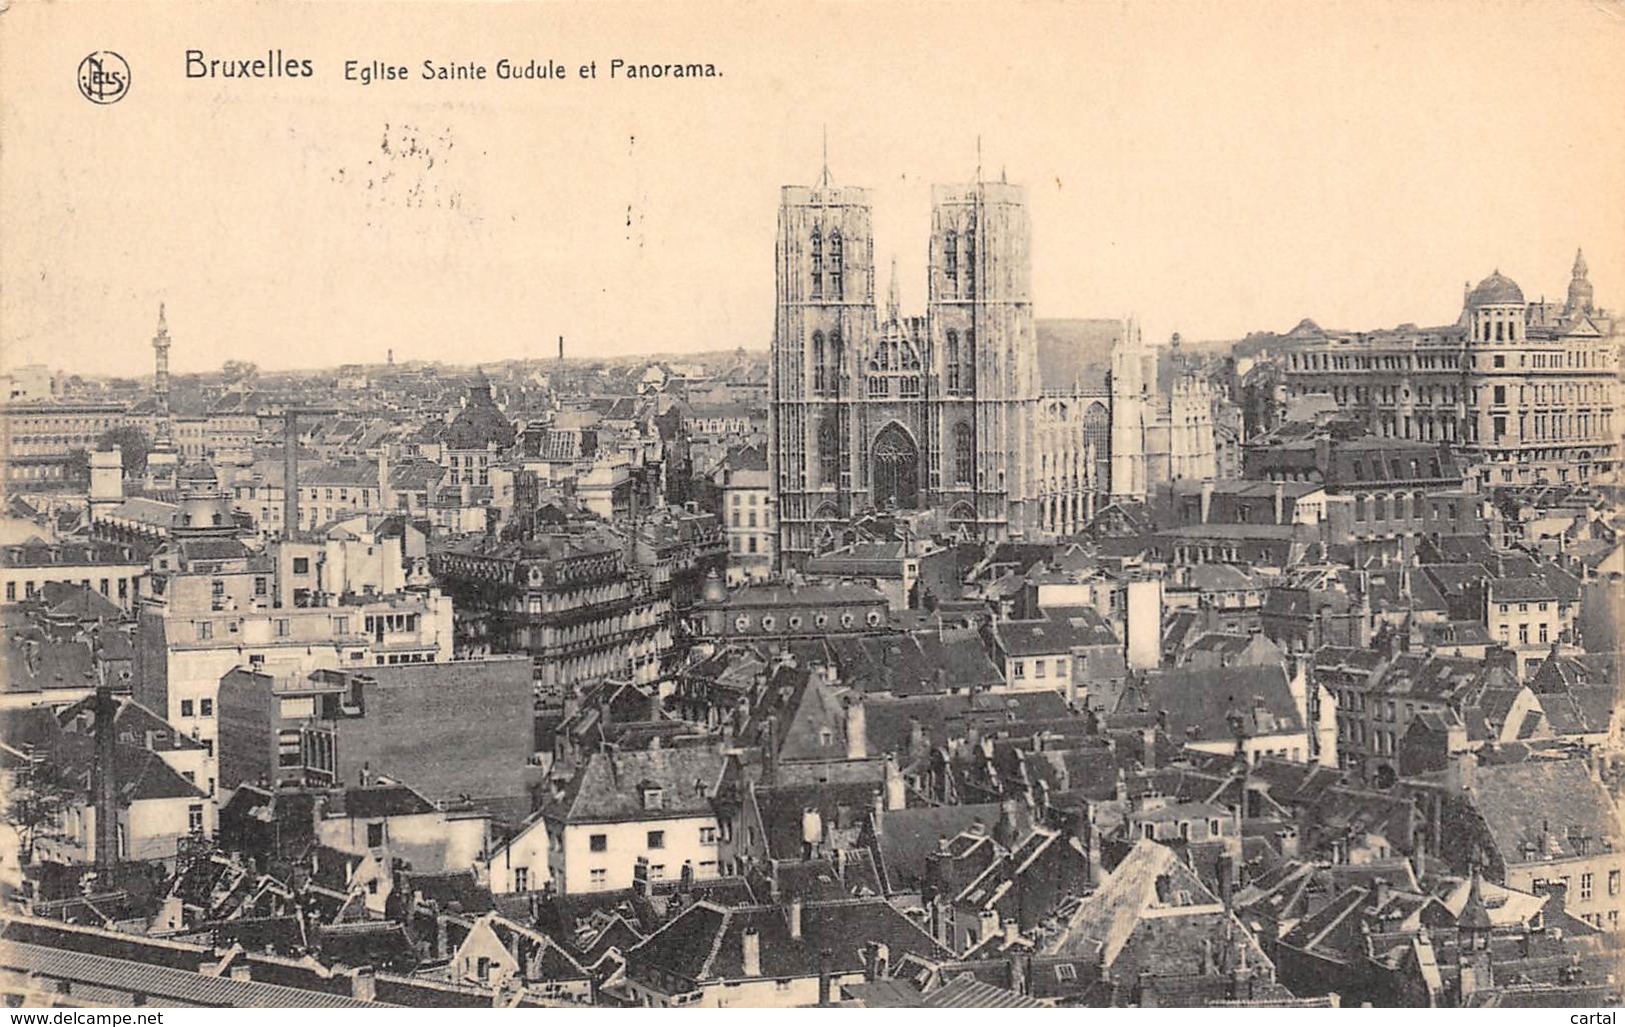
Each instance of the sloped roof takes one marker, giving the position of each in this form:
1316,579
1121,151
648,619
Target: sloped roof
609,785
1150,878
1534,807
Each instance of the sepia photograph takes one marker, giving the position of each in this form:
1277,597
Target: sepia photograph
720,504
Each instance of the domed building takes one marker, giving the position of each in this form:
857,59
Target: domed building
476,436
205,508
1523,389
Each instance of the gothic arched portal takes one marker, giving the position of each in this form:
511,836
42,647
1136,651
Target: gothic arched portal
894,478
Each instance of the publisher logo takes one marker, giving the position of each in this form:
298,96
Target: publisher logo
104,77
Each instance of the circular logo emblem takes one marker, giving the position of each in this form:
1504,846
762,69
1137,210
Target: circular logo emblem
104,77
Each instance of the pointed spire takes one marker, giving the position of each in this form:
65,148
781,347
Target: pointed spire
892,304
163,326
978,157
1474,915
1580,268
823,178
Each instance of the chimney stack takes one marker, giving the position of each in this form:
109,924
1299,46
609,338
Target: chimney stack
857,730
290,472
107,854
750,952
795,918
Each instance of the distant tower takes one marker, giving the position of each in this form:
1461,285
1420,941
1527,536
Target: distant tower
160,379
389,357
1580,295
561,349
1128,414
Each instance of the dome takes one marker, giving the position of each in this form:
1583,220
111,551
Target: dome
480,424
199,472
1497,288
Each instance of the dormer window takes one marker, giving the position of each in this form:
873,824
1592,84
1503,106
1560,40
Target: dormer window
654,797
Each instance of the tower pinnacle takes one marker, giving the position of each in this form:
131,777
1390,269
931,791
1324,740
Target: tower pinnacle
892,304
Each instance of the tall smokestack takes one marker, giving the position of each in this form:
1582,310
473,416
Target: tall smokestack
561,349
106,779
290,473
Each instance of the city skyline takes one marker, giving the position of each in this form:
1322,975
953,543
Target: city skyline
1209,173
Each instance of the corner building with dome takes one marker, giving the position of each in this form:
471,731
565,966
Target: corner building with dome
1524,390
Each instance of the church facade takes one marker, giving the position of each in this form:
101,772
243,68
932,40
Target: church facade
874,410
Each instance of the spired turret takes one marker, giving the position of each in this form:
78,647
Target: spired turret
1581,299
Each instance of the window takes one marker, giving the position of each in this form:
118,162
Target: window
598,843
953,362
950,255
375,835
194,818
1613,883
206,707
1040,668
1021,669
521,878
281,627
828,458
599,877
964,453
1585,886
259,586
186,708
708,836
835,262
1066,972
205,631
11,591
301,565
657,839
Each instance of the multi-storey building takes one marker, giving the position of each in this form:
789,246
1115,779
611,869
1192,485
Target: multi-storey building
113,569
745,491
200,626
1526,390
447,729
572,600
38,439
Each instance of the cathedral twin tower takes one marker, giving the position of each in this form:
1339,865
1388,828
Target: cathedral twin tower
872,412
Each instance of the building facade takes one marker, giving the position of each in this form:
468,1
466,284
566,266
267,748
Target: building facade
1526,390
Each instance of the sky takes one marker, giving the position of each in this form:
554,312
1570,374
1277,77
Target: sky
1209,168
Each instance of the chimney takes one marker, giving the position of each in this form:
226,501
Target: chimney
896,789
1226,871
107,854
879,961
878,818
1207,500
750,952
824,978
916,738
795,918
987,924
1280,502
1004,832
1148,745
857,731
363,984
290,472
1380,896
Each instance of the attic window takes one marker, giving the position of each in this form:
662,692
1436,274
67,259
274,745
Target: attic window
654,798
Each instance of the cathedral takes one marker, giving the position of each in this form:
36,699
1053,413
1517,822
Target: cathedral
874,410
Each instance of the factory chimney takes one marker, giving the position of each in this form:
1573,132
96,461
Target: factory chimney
106,779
